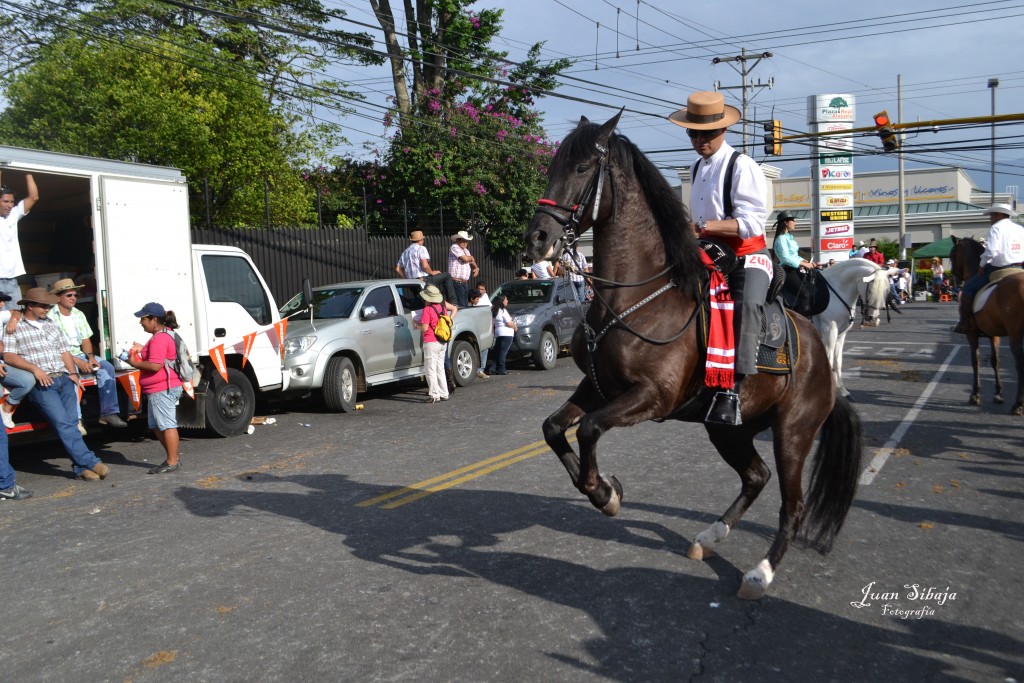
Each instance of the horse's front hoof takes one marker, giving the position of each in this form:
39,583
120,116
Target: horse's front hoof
1018,410
751,590
998,399
700,553
974,400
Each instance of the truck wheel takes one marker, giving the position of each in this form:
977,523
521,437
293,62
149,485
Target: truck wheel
546,354
340,385
465,362
229,405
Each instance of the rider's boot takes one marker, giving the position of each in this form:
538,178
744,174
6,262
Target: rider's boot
966,322
725,407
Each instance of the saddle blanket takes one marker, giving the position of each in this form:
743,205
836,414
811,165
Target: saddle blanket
993,280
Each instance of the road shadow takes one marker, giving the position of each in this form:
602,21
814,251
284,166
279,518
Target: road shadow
646,623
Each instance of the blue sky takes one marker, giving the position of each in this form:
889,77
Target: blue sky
945,51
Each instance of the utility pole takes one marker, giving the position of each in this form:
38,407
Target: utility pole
993,83
901,248
743,70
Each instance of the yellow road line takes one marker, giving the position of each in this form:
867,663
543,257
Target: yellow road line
413,492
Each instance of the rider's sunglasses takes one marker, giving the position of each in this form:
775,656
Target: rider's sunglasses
709,134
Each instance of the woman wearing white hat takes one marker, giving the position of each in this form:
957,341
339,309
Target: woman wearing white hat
433,350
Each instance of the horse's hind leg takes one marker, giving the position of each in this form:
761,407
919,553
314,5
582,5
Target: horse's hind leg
998,397
1017,348
736,446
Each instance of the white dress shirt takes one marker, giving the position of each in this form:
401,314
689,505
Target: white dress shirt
749,190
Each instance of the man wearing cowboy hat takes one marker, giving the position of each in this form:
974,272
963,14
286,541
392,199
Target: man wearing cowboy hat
415,260
38,346
461,266
1004,248
728,203
78,335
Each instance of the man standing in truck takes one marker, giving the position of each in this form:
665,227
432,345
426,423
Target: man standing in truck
11,264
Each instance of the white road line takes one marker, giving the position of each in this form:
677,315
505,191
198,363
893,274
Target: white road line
883,453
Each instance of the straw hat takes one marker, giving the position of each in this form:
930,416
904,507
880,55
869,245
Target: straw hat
705,111
462,235
65,285
38,295
431,294
415,235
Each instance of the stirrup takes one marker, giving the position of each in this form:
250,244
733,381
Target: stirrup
725,409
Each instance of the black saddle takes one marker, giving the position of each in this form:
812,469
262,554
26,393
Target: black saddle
814,286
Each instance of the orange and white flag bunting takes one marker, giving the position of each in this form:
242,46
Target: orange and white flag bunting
247,342
217,355
281,327
130,383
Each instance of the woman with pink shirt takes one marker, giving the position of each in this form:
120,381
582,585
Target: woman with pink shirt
160,384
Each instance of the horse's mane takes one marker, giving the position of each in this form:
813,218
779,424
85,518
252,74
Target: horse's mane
669,213
971,252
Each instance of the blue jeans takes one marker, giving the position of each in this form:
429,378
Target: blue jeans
19,382
980,279
6,473
9,286
581,290
59,404
501,346
106,386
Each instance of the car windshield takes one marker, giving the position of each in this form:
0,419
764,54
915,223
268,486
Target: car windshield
527,292
327,303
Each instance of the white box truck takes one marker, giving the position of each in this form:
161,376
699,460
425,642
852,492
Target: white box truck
122,229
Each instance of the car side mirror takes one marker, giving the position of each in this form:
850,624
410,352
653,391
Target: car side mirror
307,292
369,312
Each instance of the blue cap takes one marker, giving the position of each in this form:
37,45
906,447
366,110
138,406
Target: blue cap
153,309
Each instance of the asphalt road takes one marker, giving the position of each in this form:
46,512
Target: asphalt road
410,541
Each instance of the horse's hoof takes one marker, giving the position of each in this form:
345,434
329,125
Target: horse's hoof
997,399
1018,411
613,505
756,581
751,590
699,553
974,401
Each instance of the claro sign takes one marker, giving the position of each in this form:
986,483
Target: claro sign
837,244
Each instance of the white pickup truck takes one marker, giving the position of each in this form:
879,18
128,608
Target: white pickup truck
360,334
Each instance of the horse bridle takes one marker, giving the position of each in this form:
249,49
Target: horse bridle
570,238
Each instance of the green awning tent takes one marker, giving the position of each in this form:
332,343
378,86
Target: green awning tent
940,248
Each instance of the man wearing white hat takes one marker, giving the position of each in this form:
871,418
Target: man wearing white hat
1004,248
728,203
461,266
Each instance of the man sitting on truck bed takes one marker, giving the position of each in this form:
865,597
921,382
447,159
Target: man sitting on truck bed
78,334
39,347
11,264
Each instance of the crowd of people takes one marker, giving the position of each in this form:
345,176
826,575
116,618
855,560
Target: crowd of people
48,358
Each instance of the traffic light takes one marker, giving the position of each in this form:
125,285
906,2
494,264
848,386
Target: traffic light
773,137
886,132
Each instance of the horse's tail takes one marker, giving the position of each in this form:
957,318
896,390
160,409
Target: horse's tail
833,478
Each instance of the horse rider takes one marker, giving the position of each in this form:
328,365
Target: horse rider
728,203
1004,248
788,253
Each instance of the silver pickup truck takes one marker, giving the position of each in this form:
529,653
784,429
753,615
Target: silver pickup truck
361,334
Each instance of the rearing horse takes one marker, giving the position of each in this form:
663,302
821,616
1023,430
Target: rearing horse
1001,316
643,359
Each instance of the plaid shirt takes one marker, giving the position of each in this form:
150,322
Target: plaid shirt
40,342
458,269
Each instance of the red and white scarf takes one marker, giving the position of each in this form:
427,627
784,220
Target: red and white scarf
720,366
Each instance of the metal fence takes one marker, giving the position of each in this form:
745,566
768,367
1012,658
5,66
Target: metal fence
287,255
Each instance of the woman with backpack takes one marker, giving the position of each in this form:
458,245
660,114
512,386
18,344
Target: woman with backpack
433,349
160,384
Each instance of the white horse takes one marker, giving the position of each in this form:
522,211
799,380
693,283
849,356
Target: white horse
848,281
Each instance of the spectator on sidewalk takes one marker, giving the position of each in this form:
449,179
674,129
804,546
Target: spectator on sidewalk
461,266
18,382
474,300
9,489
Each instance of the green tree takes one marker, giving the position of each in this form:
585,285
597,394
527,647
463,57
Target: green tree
467,138
160,102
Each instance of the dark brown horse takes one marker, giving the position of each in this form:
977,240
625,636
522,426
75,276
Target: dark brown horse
1001,316
642,358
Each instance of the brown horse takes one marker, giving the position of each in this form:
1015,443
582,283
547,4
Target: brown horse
643,358
1001,316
